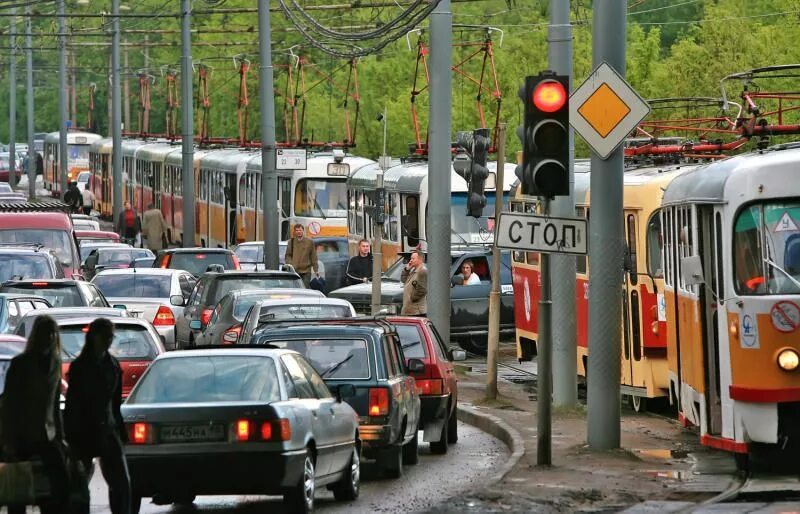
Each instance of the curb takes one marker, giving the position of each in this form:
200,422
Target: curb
498,428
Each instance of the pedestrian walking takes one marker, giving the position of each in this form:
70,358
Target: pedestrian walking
154,229
359,267
129,225
93,421
415,286
88,200
73,198
31,415
302,255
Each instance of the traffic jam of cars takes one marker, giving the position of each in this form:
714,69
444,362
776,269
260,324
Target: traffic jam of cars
238,379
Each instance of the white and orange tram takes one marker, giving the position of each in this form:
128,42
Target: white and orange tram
78,146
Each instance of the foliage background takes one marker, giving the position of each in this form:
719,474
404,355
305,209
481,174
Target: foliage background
675,48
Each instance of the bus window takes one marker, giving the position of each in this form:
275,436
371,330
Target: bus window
325,198
411,221
360,213
655,240
390,224
286,196
632,250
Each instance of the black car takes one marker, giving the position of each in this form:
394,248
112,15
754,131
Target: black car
367,355
196,260
28,261
469,305
60,293
210,289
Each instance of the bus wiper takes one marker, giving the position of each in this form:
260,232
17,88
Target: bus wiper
336,366
786,273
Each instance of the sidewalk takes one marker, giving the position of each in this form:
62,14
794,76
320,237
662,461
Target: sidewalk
660,460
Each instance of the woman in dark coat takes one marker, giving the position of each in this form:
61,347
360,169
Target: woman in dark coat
31,415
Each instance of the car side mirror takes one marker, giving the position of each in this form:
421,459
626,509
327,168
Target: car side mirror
457,280
176,300
457,354
415,366
345,391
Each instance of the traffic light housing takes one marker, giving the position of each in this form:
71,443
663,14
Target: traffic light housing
545,136
473,168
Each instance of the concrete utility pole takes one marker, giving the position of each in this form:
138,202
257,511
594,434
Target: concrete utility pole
562,278
187,129
29,101
12,102
73,91
126,90
439,169
63,164
116,113
269,176
494,295
607,254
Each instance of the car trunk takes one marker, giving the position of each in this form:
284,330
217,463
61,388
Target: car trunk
144,308
132,371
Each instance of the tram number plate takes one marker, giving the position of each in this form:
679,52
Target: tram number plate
192,433
338,169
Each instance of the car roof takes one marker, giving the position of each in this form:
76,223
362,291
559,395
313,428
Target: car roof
197,250
283,291
406,320
231,274
142,271
35,220
16,296
305,300
11,338
85,320
220,352
49,281
42,250
303,327
77,312
88,234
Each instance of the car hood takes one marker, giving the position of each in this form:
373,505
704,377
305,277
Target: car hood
391,292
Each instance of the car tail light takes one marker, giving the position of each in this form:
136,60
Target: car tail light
39,284
140,433
429,386
242,430
231,335
205,316
278,430
236,264
164,317
378,401
166,260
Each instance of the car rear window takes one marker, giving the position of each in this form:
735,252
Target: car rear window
197,263
223,286
304,311
250,253
123,256
59,240
58,296
209,378
332,358
133,285
24,266
411,341
131,342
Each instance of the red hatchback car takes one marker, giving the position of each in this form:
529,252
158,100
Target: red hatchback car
136,344
437,385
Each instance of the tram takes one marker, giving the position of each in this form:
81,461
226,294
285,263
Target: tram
78,145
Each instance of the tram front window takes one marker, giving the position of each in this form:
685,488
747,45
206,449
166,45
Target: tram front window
767,249
320,198
469,230
78,152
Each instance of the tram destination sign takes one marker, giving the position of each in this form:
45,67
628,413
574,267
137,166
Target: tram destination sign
544,234
290,159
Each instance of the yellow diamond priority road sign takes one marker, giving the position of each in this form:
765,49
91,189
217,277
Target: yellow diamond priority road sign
605,109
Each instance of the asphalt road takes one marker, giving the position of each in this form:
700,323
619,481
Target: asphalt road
436,478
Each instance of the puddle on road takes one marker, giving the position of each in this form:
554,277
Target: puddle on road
679,475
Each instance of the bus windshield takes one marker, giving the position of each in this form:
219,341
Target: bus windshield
322,198
78,152
469,230
766,249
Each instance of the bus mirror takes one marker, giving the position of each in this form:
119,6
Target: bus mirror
692,270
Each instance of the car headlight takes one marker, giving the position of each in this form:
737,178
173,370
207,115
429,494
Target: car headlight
788,359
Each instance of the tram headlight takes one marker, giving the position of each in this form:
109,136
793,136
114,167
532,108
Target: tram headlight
788,359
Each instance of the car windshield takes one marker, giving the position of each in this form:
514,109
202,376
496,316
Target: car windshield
85,225
67,296
24,266
469,230
197,263
84,176
131,342
133,285
250,253
304,311
224,286
122,256
209,378
58,240
332,358
411,340
322,198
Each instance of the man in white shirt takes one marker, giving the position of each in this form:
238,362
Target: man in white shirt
88,200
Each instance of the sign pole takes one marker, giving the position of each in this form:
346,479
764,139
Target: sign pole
494,295
544,389
270,209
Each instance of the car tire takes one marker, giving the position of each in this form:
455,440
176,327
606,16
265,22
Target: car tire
349,487
300,499
136,503
392,462
440,447
452,428
411,450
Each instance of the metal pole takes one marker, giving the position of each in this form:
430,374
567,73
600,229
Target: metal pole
126,90
12,103
269,175
562,279
494,295
544,389
607,254
187,131
29,102
377,251
63,166
116,115
439,170
73,91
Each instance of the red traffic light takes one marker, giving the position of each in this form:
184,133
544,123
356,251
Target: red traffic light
549,96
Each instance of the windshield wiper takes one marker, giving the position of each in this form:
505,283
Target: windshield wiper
409,345
459,236
318,206
786,273
336,366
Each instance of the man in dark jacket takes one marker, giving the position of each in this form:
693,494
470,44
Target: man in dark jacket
93,420
359,267
73,197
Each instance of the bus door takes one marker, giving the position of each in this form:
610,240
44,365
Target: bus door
157,187
410,221
632,367
710,245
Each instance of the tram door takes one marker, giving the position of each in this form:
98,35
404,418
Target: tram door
632,373
230,201
710,243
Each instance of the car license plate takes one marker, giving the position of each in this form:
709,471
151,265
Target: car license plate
192,433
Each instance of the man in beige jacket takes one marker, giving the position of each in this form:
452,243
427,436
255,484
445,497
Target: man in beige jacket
301,253
154,228
415,286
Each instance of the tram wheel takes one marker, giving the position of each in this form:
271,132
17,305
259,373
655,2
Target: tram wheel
637,403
